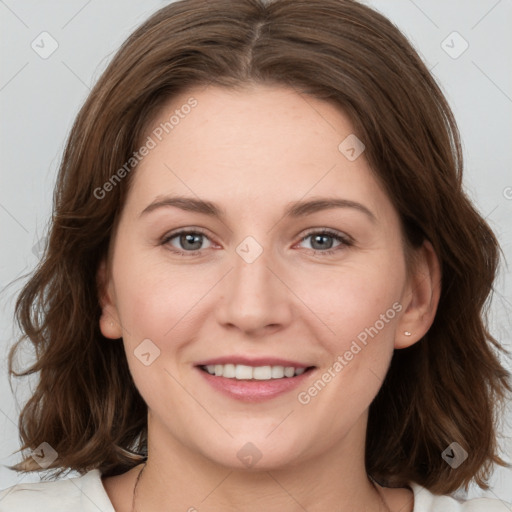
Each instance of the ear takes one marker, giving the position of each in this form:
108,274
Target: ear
420,298
110,324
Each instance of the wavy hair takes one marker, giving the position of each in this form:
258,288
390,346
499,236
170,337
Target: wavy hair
447,387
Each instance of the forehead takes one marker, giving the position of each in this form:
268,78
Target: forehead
246,121
259,144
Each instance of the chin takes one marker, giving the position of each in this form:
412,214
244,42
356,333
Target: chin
254,452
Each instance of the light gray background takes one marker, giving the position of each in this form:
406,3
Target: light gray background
39,99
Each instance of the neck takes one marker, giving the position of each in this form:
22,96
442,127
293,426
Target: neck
176,478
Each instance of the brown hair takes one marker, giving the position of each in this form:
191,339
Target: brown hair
447,387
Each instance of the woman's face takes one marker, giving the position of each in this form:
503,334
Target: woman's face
256,282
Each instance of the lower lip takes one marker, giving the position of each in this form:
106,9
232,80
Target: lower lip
254,390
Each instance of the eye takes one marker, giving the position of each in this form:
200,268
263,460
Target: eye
322,241
186,241
190,241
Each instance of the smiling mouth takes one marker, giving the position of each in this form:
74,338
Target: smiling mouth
260,373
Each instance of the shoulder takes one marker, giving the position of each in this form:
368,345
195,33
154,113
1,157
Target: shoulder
425,501
80,494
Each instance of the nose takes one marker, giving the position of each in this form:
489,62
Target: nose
254,297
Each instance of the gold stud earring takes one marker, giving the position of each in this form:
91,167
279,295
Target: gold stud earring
407,333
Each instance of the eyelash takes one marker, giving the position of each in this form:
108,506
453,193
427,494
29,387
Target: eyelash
345,241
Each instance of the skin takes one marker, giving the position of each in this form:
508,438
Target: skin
252,152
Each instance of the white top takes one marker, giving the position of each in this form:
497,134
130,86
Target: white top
87,494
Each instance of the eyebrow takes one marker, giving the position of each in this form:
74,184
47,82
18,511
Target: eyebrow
294,209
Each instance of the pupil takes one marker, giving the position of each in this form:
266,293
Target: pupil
189,238
322,237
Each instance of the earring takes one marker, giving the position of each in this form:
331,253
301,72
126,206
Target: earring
407,333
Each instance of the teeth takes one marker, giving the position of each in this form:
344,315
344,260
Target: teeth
241,372
277,372
261,372
244,372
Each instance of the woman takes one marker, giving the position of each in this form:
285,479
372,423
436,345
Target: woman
320,344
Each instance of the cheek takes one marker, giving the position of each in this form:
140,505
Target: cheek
142,306
158,301
154,304
360,307
141,294
352,300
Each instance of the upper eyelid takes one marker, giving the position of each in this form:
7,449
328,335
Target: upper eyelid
329,231
180,231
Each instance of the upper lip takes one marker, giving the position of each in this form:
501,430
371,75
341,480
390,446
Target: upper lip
253,361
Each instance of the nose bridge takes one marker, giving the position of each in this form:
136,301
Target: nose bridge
253,297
